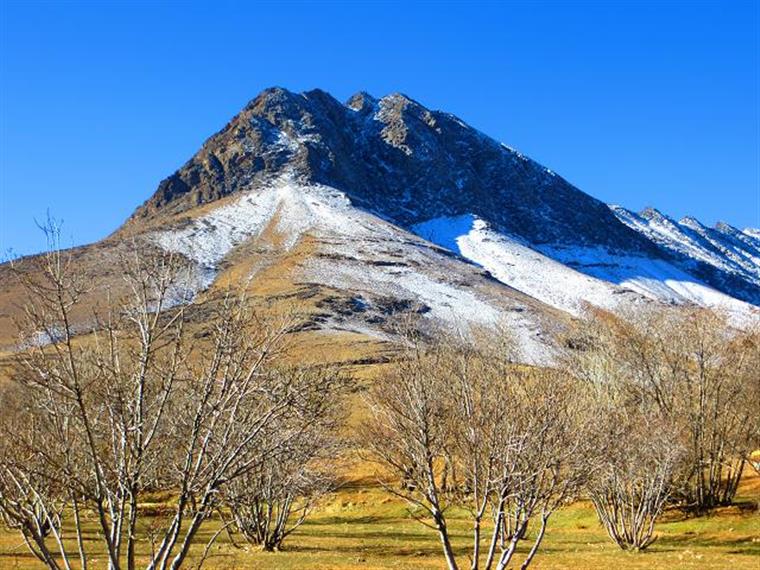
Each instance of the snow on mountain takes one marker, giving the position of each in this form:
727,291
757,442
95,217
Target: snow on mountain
754,234
361,175
730,253
374,262
512,261
569,277
367,211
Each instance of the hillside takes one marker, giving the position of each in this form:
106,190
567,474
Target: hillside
364,212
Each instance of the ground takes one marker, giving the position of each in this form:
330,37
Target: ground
361,526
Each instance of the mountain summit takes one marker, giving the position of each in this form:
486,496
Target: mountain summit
369,210
394,157
407,164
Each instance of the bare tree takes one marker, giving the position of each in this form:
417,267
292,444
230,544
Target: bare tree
702,376
642,453
32,500
407,434
464,427
632,490
271,501
147,400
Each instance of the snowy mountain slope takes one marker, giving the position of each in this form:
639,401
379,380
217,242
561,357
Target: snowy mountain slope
753,234
408,165
380,268
340,205
724,248
569,277
512,261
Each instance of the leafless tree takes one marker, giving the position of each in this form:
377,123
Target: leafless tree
146,400
31,500
641,452
701,374
271,501
462,426
631,492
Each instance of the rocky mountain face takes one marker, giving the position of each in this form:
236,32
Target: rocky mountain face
393,157
725,257
361,214
415,167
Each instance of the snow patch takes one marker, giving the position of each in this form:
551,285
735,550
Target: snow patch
513,262
724,248
569,277
358,252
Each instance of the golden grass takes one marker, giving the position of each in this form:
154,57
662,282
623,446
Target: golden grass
361,526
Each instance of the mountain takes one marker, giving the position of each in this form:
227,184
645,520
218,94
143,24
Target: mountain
367,211
392,157
723,256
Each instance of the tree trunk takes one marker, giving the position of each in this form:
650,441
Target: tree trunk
536,543
443,533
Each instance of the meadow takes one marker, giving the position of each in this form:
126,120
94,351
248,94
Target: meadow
362,526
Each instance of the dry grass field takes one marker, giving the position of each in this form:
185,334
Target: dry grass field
361,526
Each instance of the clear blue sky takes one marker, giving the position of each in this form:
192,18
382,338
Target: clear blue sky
643,103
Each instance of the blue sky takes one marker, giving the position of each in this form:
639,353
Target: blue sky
643,103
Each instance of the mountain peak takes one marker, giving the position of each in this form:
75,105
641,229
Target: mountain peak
398,98
400,107
726,228
691,222
652,214
362,101
271,95
396,158
275,104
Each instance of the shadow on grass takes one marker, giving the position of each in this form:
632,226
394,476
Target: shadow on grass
353,520
25,554
370,535
737,508
377,551
742,545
